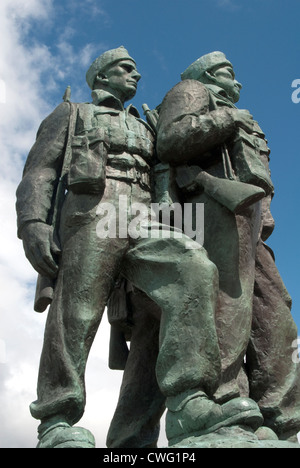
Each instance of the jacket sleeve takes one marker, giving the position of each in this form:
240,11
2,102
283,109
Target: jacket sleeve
187,128
42,169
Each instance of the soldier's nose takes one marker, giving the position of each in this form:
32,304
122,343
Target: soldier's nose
137,76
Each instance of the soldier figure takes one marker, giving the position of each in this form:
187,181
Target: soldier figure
216,148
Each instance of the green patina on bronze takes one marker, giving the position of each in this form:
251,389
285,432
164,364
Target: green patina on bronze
191,314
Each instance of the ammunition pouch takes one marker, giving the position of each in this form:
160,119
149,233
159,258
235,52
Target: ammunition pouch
87,172
246,153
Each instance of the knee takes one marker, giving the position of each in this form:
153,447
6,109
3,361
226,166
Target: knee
201,267
200,257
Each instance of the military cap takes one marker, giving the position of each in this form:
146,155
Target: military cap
103,61
203,64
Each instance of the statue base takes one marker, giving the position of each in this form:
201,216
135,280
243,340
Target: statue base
235,437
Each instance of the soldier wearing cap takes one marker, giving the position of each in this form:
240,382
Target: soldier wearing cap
112,151
200,131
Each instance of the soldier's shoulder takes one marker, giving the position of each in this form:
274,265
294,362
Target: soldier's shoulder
185,97
58,117
185,93
64,108
188,86
61,110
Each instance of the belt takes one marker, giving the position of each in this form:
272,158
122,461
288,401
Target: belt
128,167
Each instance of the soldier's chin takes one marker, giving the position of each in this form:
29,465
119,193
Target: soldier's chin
130,94
236,96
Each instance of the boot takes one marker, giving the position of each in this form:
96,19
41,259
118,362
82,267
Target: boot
62,435
194,414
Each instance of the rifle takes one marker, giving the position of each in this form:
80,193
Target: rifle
45,286
151,117
234,195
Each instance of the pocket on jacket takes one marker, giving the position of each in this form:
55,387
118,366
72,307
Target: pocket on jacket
88,164
247,152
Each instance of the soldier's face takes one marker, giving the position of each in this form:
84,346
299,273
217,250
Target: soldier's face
122,79
225,78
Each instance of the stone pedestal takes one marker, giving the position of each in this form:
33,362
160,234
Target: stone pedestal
235,437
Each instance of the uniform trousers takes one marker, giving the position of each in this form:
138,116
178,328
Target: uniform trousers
182,282
253,317
272,363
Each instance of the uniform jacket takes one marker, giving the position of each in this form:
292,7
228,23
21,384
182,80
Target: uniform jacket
105,134
196,120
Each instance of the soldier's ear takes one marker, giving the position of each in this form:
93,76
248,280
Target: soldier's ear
101,79
210,76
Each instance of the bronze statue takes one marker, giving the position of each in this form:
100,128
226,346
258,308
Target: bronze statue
97,153
92,167
220,153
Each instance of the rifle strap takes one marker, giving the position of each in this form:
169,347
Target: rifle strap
61,188
71,132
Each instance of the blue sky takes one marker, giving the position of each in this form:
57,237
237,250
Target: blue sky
49,44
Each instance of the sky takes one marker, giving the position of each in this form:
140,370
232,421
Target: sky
47,45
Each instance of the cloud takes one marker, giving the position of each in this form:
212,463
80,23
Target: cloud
18,10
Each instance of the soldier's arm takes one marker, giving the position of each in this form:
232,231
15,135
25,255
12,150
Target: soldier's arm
42,168
37,189
188,129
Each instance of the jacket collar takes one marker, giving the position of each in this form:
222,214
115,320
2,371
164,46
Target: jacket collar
106,99
221,94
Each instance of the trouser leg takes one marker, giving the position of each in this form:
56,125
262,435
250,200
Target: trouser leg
274,376
71,326
184,284
88,268
231,242
136,421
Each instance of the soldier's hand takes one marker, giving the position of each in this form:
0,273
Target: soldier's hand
243,119
40,248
